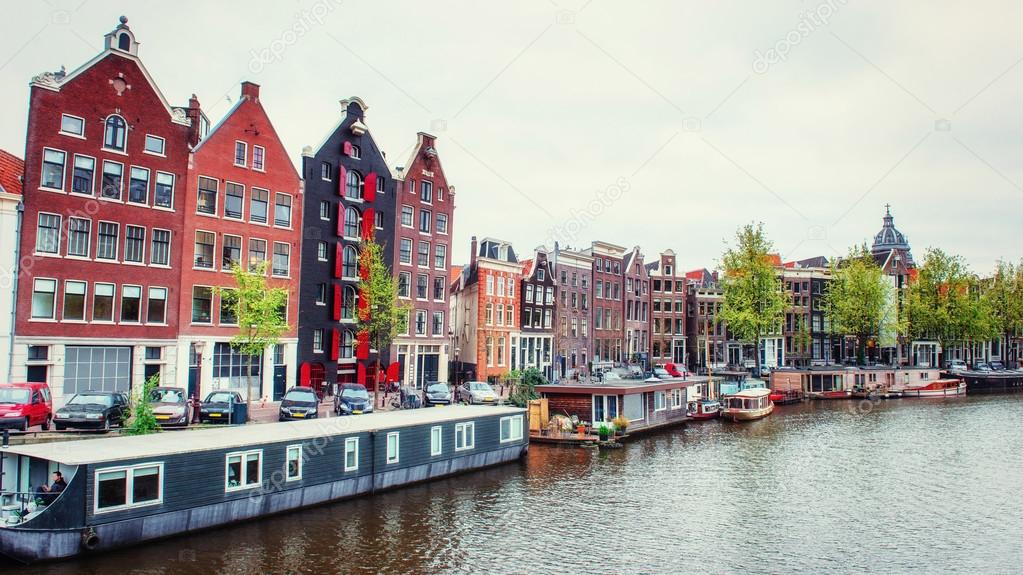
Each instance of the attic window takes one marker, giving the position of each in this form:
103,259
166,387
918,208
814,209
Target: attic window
124,42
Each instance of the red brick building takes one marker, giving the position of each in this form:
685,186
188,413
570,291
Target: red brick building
636,308
242,205
667,311
608,325
106,157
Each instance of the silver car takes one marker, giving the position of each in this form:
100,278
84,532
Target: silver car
477,392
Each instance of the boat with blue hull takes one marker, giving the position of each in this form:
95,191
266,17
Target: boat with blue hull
126,490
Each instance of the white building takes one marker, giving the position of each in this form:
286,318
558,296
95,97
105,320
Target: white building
11,171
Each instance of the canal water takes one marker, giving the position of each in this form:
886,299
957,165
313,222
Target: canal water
909,485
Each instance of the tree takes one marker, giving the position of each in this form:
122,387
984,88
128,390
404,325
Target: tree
524,386
260,312
754,299
381,317
860,301
143,422
1003,296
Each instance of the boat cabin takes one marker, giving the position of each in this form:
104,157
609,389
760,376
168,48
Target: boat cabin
822,382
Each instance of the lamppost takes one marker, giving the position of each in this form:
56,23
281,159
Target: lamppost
197,348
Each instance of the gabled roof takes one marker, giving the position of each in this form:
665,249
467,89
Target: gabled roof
12,169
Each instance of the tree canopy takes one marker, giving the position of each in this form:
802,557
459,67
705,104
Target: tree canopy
860,300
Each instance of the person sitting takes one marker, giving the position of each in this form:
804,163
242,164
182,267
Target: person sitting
49,493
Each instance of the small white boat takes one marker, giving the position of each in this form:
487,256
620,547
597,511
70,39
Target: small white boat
936,388
747,405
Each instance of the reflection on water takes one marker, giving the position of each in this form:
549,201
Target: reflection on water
905,485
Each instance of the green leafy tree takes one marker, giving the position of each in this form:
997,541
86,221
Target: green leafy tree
754,298
381,316
1003,296
523,384
143,422
860,300
260,311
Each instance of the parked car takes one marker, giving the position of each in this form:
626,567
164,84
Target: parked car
436,393
23,405
956,365
170,406
982,366
93,410
474,392
661,373
299,403
997,365
219,406
353,400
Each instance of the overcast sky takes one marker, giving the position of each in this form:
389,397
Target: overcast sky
658,124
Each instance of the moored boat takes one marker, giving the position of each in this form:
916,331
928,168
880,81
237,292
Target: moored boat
704,409
747,405
785,397
936,388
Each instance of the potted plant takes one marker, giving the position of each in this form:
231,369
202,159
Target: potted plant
604,432
621,424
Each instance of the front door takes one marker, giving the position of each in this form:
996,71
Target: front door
280,380
193,381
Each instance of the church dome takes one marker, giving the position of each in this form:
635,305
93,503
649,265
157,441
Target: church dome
889,238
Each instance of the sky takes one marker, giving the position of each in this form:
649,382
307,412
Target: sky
662,124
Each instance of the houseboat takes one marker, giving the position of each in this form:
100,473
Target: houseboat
747,405
704,409
839,382
1006,381
935,388
127,490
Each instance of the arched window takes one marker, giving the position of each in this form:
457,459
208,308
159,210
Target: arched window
349,262
351,229
115,133
124,42
347,344
353,185
348,303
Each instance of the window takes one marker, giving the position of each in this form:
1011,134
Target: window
207,196
282,210
393,447
511,287
347,345
406,216
325,171
353,185
440,256
490,351
427,191
112,174
349,262
241,152
258,155
231,253
82,176
321,294
509,315
490,285
293,463
317,341
114,133
405,253
282,259
103,302
234,200
126,487
156,310
438,288
163,190
74,300
257,253
244,470
351,228
436,437
43,293
325,210
422,286
135,244
53,169
322,251
228,307
48,234
72,125
442,223
489,314
202,304
438,323
131,303
351,453
659,401
138,186
205,242
425,220
78,234
465,436
423,258
378,220
159,253
404,281
155,144
511,428
500,351
420,322
500,314
356,152
348,302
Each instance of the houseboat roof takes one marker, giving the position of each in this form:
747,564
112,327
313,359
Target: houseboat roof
620,386
754,393
87,451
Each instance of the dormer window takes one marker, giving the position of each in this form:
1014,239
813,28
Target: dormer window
356,152
115,133
124,42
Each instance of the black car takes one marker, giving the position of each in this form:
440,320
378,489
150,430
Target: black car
353,400
219,406
436,393
299,403
93,410
997,366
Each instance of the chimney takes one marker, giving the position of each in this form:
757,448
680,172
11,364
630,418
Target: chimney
194,114
250,91
472,254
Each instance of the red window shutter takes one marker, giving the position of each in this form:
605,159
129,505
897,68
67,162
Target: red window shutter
362,351
304,374
346,149
338,257
337,302
342,177
368,221
360,374
369,187
335,344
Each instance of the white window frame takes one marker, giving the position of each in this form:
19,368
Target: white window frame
287,459
234,152
396,456
129,491
72,134
262,167
514,428
244,484
663,395
163,146
468,431
63,171
53,297
349,442
436,441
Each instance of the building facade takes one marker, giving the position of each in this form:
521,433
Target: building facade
608,295
349,198
636,308
572,336
424,216
807,329
243,201
12,171
668,311
537,307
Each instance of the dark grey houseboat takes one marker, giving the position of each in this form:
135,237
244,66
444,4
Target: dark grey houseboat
125,490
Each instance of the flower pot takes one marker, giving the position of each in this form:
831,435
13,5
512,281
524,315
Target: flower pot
603,436
581,429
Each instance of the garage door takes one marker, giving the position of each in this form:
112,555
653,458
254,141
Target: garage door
97,368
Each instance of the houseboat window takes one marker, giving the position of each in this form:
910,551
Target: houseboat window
511,428
125,487
659,401
676,399
244,470
605,408
633,407
351,454
392,447
293,469
465,436
436,434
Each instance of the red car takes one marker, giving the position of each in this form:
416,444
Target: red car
23,405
